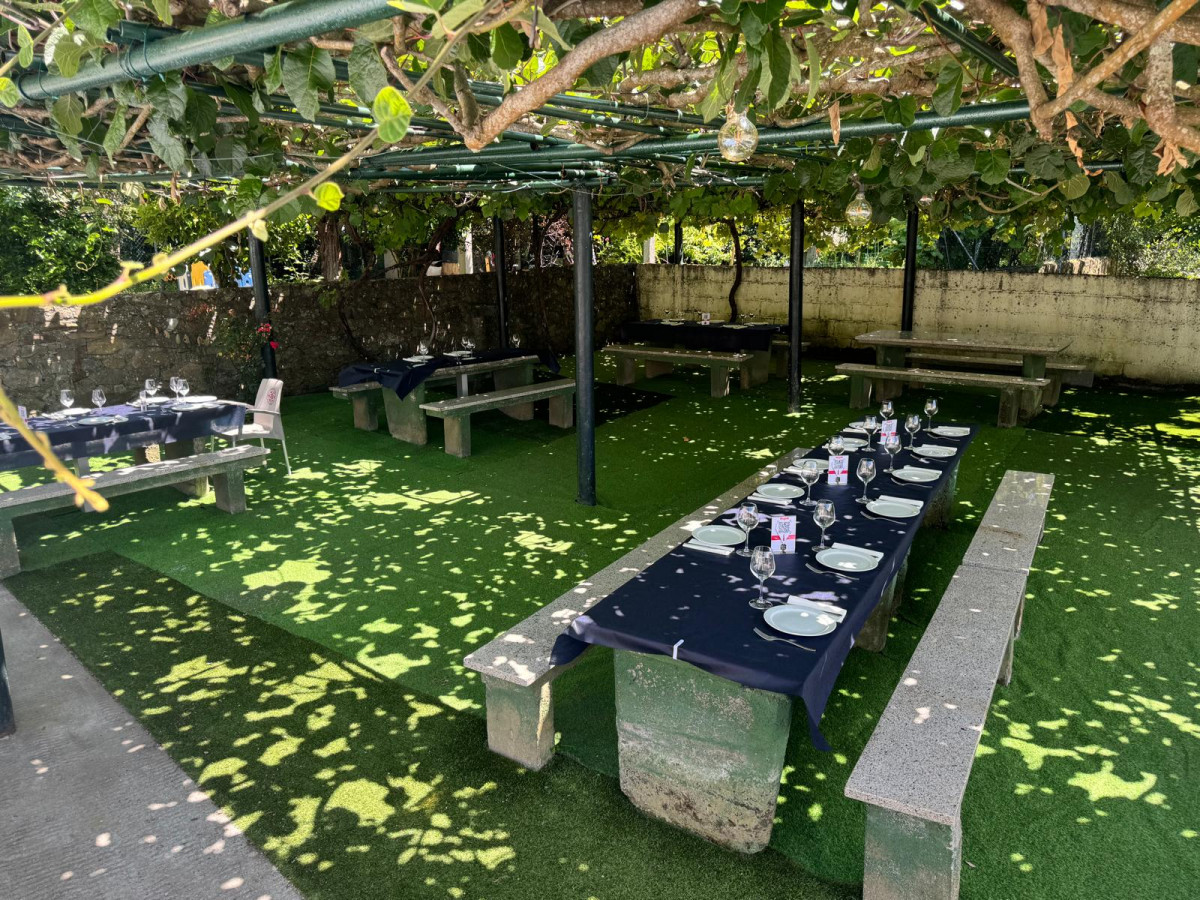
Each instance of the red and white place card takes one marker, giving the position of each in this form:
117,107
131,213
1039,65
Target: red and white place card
783,534
839,469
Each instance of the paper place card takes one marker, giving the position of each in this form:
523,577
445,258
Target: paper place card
783,534
839,469
888,427
705,318
23,413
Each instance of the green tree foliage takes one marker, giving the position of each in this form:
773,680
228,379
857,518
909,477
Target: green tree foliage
48,238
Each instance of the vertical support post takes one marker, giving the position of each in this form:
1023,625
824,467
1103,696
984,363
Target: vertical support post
581,221
262,300
8,722
677,252
910,272
795,305
501,280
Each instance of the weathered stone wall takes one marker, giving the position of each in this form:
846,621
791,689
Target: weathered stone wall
1143,328
116,345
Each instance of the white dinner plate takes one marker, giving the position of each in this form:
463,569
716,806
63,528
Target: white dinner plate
852,444
67,413
192,407
203,398
917,474
719,535
845,559
459,353
150,401
418,359
780,491
102,420
934,451
894,510
950,431
800,622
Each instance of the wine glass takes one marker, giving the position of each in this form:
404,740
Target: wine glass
98,398
870,426
837,446
515,340
931,409
422,349
67,398
468,344
891,444
824,515
886,409
174,384
762,567
866,474
912,425
151,387
182,388
747,520
810,471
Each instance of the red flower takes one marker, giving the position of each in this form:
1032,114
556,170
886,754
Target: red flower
274,345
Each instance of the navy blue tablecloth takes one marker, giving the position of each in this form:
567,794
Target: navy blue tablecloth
158,425
403,376
695,336
701,598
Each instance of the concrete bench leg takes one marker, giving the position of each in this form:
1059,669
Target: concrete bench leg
699,751
626,370
405,418
366,415
1009,409
458,436
141,456
720,381
1053,390
520,721
515,377
655,368
8,722
562,410
10,559
1030,404
229,490
860,391
760,367
911,858
193,487
1006,667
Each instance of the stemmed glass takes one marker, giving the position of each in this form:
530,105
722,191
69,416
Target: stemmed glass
422,349
912,425
866,474
810,471
182,388
891,444
515,340
762,567
931,409
151,387
468,344
143,396
98,398
887,410
174,384
747,520
870,426
66,398
824,515
836,445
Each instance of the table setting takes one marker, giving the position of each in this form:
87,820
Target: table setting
700,335
785,621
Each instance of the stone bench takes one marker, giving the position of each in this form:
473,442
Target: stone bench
516,665
662,360
780,351
457,412
365,399
1020,398
226,467
1058,371
913,773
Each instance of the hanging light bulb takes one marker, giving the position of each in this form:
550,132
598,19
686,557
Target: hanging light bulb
859,210
738,138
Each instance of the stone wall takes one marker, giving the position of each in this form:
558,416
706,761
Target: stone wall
1138,328
116,345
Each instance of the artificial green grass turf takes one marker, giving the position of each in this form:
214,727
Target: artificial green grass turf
405,559
353,785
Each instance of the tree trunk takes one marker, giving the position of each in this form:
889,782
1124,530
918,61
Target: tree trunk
737,269
329,239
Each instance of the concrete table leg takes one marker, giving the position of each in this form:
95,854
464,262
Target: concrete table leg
720,381
141,456
626,370
83,466
940,511
458,436
462,385
874,634
229,489
1010,405
193,487
910,858
8,722
405,418
366,416
860,391
562,410
520,721
699,751
10,559
515,377
655,368
897,587
760,367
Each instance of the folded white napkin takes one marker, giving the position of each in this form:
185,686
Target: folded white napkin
709,548
853,430
905,500
874,554
777,501
828,609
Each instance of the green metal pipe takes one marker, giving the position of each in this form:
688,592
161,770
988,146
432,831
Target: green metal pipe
277,25
942,21
492,186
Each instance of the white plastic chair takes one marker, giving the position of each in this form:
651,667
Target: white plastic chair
267,422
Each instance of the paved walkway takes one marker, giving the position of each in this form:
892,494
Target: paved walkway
91,807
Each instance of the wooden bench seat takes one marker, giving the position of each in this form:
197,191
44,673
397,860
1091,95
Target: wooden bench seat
662,361
1020,398
225,467
913,773
365,399
457,411
1059,372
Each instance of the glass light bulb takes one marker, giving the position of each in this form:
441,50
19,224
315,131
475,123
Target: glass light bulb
738,138
859,210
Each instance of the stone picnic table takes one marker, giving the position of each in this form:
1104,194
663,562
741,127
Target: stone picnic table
754,339
892,347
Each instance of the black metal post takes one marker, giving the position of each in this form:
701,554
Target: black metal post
262,300
677,252
795,305
8,723
501,265
910,272
585,398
